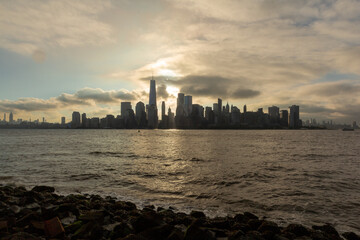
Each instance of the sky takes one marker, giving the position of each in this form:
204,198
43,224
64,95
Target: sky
57,57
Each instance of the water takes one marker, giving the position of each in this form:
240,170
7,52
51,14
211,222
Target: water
308,177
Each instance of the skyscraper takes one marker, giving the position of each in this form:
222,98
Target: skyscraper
274,113
294,117
11,118
124,107
62,120
180,111
219,106
284,118
245,108
152,108
188,105
75,123
152,96
162,110
83,120
4,117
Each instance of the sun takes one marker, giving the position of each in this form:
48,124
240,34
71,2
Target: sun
172,90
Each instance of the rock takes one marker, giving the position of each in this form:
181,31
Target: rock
53,227
23,235
268,229
133,237
92,216
350,236
197,233
73,227
254,223
220,223
297,229
43,189
197,214
252,235
146,220
16,209
236,235
121,230
157,233
176,234
328,229
250,215
24,221
3,226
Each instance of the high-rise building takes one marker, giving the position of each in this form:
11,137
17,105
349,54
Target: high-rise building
216,108
244,108
180,108
62,120
198,110
294,117
75,123
152,96
162,110
188,105
83,120
227,108
140,115
4,117
180,99
284,118
152,108
219,106
124,107
274,112
11,118
171,117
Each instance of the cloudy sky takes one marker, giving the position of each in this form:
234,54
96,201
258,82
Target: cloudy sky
62,56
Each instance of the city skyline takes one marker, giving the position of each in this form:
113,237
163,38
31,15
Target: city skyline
59,56
187,115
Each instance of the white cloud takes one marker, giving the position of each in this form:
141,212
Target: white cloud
30,25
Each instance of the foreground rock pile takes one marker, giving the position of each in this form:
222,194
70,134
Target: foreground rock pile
42,214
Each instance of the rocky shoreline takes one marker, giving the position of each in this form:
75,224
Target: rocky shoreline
40,213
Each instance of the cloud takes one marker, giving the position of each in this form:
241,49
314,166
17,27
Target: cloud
39,56
83,97
29,25
161,91
244,93
27,104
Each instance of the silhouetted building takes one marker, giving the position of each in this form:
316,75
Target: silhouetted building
11,118
124,107
198,109
141,115
162,110
152,95
188,105
4,117
274,113
83,120
171,117
75,123
219,106
244,109
294,117
284,118
235,116
152,108
180,111
63,121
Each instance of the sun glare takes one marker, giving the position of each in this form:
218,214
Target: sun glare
172,90
167,72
